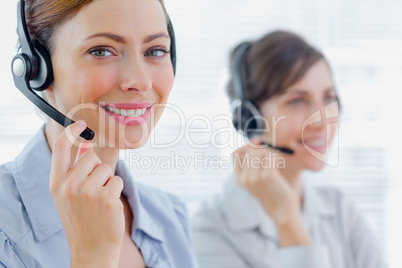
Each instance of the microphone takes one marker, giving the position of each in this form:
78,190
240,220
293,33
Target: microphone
282,149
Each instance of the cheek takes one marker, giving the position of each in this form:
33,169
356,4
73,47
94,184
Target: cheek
83,85
332,131
96,83
287,129
162,82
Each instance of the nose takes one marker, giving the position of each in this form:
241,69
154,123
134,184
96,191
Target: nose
135,76
316,118
322,115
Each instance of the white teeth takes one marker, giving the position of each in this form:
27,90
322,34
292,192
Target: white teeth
130,112
316,143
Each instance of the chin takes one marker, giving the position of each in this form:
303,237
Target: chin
134,140
315,164
134,145
124,139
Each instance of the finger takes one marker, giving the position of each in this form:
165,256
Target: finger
61,155
241,175
100,175
114,186
85,146
85,166
238,157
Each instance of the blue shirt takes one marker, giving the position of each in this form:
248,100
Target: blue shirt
32,234
233,229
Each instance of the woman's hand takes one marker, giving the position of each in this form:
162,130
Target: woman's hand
87,198
256,172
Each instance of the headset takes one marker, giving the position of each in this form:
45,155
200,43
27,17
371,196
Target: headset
246,117
32,70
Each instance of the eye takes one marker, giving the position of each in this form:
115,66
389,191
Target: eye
296,101
156,52
101,52
330,98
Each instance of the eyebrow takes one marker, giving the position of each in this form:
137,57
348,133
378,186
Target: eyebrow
155,36
115,37
304,92
121,39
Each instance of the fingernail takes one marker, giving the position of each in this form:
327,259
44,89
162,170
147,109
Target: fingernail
81,122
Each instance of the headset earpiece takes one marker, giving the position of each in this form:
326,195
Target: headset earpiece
247,119
44,75
38,65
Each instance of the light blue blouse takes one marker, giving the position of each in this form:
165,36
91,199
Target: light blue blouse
233,230
32,234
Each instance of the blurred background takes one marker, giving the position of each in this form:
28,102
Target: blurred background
363,41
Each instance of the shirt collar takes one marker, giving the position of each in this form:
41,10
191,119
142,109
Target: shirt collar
244,212
31,171
141,218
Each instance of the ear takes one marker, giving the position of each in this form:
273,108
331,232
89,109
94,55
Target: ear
48,95
49,89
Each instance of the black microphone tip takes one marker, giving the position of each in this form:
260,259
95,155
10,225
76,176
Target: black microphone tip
282,149
286,150
87,134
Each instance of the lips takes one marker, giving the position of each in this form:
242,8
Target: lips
129,106
318,143
128,113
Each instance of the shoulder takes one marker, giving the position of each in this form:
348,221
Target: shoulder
13,220
331,200
332,196
226,210
215,241
207,213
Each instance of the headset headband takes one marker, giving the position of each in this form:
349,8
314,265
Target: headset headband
237,70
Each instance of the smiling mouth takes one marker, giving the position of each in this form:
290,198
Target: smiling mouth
126,112
316,143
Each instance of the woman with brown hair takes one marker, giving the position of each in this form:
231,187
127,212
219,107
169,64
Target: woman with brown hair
286,102
70,202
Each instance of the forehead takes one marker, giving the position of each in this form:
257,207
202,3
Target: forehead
318,78
131,18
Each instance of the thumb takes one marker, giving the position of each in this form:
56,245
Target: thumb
85,146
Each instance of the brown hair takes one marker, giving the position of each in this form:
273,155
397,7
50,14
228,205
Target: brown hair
272,64
44,16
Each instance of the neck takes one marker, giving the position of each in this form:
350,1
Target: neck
107,155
